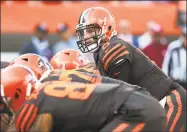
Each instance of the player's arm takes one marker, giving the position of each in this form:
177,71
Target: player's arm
4,122
120,71
43,122
116,62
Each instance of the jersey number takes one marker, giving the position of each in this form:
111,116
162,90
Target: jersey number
73,91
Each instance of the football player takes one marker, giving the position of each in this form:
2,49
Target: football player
68,107
70,59
118,59
17,83
83,77
36,63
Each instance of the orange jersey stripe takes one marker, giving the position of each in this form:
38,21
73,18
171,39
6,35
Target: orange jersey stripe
26,117
112,56
18,120
121,127
171,108
138,127
32,119
122,54
105,47
179,110
111,50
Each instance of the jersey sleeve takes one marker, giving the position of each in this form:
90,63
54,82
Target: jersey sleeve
25,117
115,54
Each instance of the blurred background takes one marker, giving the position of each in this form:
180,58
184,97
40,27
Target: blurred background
158,28
45,27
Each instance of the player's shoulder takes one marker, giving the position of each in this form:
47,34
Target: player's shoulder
115,40
115,46
25,116
99,87
114,51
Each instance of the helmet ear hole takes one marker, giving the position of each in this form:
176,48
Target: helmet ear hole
109,28
25,59
66,53
16,96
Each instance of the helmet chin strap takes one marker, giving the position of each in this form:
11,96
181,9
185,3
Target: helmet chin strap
93,48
